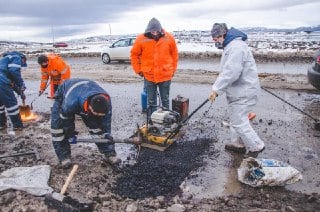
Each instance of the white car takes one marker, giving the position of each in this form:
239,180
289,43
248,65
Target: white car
118,51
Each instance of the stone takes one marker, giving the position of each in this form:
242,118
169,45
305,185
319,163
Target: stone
176,208
133,207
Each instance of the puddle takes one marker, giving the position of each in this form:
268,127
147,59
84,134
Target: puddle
271,67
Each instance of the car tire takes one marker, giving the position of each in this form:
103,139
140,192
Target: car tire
314,78
105,58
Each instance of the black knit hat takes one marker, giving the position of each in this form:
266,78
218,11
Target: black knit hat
42,59
99,103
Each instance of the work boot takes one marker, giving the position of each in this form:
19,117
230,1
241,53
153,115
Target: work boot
236,147
254,152
112,159
66,163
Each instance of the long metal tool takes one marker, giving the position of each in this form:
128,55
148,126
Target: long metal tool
295,107
317,122
38,96
104,141
177,129
17,154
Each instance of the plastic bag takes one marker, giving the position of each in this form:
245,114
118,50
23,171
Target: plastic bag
261,172
33,180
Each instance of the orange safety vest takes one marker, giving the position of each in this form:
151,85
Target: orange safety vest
157,60
57,71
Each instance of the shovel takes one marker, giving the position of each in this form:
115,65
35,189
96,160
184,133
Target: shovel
24,109
61,202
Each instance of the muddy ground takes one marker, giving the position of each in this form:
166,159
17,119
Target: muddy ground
196,173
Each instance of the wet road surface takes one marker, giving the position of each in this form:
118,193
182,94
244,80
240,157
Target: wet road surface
288,135
212,65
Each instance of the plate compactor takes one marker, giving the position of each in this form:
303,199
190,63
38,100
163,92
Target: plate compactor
161,130
164,126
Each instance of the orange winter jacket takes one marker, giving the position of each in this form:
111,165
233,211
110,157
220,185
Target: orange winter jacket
157,60
57,71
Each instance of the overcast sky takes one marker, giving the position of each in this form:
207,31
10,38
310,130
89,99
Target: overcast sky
34,20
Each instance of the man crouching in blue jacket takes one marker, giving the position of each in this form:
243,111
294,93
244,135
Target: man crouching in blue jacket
87,99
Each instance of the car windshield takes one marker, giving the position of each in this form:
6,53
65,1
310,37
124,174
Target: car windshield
121,43
132,41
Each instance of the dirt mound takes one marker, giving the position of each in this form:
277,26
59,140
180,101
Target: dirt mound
260,56
263,199
263,57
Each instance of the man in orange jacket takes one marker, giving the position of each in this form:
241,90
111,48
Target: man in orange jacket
154,56
55,68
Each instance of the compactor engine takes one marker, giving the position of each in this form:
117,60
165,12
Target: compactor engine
162,128
163,122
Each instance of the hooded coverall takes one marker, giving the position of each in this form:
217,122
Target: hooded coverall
238,78
72,98
57,71
11,80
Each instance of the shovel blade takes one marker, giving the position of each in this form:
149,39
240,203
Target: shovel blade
66,203
25,110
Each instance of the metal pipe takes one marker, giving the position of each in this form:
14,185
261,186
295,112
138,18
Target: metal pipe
19,154
106,141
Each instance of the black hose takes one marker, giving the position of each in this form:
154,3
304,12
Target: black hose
295,107
176,130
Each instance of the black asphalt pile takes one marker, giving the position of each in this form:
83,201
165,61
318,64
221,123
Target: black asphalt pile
161,173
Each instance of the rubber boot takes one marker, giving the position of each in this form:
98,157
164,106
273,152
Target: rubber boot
16,122
3,120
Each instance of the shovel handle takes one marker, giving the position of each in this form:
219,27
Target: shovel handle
70,176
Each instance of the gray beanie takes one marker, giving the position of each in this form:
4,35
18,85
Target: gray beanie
218,29
154,25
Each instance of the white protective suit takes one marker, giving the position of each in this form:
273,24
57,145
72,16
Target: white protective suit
238,78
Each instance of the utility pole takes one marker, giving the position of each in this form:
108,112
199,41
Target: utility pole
110,29
52,34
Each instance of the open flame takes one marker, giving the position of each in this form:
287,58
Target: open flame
31,117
